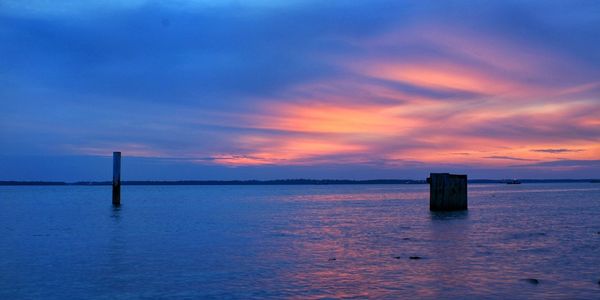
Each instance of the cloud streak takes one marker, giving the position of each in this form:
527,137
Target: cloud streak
555,151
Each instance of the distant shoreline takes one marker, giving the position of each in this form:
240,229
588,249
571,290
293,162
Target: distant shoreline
278,182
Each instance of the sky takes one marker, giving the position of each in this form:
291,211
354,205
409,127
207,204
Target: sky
299,89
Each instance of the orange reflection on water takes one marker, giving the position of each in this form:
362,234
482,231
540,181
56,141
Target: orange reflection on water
361,248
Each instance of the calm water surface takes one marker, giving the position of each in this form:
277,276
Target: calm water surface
340,241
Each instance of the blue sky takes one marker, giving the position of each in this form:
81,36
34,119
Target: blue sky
290,89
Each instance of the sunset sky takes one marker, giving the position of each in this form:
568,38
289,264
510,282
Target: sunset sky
299,89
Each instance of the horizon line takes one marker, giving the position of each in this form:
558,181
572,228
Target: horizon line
298,181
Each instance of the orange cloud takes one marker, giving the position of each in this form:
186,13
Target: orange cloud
441,75
483,103
331,118
287,151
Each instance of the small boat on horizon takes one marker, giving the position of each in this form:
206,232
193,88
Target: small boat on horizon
513,181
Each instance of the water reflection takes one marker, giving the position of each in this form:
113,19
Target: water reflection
449,215
116,213
116,252
449,240
245,242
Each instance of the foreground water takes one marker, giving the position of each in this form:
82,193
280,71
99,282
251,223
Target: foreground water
337,241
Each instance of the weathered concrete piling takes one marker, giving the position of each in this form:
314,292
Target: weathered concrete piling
116,183
447,192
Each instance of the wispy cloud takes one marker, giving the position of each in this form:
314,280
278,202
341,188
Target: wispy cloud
399,84
509,158
554,151
565,165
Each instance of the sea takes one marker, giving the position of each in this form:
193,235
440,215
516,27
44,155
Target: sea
525,241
